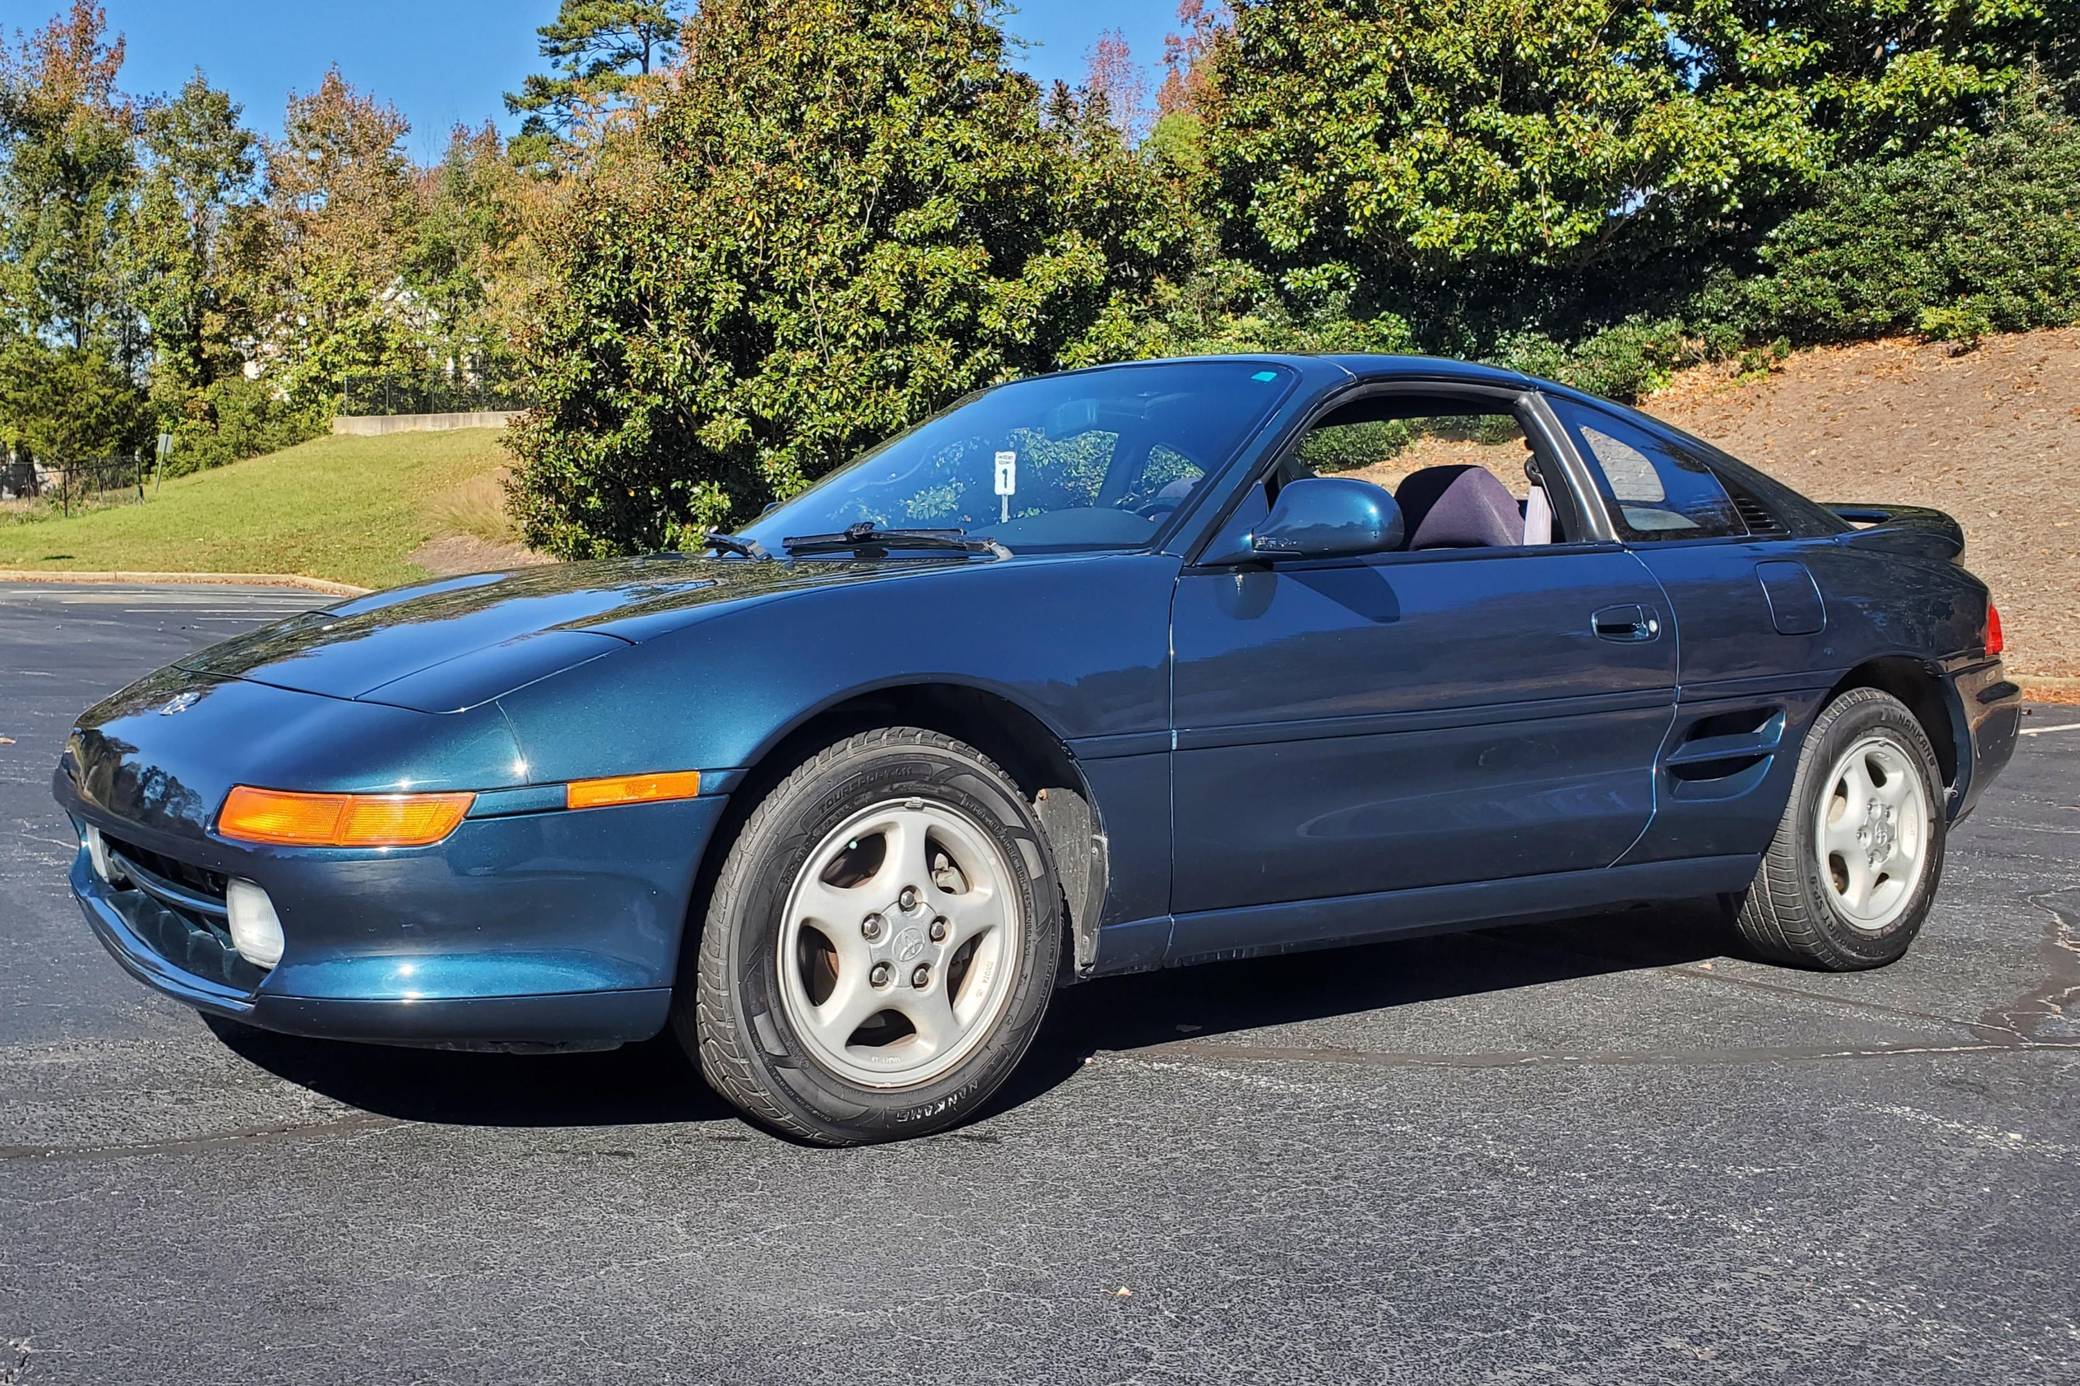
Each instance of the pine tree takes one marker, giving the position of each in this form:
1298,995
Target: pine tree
601,53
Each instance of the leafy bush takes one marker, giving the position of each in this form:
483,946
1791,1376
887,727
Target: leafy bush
1954,242
839,218
236,418
1624,362
1350,446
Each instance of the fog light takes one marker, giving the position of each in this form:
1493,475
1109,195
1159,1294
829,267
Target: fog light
255,931
97,854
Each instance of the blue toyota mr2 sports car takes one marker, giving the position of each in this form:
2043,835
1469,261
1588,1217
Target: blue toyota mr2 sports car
1095,672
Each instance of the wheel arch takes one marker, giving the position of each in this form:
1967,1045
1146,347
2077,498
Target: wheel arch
1922,687
1028,749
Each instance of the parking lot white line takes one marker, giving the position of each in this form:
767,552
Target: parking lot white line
2045,731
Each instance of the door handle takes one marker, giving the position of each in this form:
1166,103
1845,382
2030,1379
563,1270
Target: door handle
1625,623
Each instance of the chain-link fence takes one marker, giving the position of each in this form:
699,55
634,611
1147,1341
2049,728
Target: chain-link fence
109,481
30,486
427,394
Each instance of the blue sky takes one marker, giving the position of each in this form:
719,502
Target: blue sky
444,61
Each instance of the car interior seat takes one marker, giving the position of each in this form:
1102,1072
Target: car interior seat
1460,506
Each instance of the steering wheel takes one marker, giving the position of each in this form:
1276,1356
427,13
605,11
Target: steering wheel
1160,506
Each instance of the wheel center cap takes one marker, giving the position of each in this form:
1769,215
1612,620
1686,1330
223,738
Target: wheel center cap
909,944
1879,835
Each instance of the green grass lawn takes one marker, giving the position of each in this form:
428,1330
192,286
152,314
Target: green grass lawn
349,509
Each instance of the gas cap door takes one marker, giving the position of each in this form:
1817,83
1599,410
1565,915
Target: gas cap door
1794,599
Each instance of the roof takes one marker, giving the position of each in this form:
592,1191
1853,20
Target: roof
1317,367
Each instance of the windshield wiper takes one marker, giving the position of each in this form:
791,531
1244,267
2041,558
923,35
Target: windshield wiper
730,543
866,538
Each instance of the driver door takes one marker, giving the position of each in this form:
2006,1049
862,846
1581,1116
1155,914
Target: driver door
1412,719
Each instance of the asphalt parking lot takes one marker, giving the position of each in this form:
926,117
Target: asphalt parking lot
1599,1151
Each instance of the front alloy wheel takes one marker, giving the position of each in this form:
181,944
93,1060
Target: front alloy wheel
896,943
880,945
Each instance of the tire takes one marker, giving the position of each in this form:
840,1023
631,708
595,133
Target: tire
898,848
1854,866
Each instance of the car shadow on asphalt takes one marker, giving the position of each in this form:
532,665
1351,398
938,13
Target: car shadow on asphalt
653,1082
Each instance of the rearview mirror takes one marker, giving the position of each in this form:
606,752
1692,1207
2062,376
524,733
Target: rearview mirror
1326,517
1069,419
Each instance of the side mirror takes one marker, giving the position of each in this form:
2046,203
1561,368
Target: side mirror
1325,517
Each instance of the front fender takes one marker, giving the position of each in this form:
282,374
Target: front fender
1081,643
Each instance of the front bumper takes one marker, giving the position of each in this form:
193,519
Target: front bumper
555,929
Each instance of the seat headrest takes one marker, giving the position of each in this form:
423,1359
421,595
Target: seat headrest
1458,507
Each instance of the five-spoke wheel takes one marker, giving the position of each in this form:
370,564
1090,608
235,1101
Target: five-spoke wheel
880,944
1855,862
894,941
1871,833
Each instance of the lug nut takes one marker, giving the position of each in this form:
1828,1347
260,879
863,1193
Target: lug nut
908,899
879,976
871,926
921,977
939,930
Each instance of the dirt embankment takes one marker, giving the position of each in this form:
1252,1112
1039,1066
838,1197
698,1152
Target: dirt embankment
1992,436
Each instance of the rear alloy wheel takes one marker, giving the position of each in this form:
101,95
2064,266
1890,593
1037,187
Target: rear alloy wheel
1854,867
881,943
1871,833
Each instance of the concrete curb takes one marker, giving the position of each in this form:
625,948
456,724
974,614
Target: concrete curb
2048,688
311,584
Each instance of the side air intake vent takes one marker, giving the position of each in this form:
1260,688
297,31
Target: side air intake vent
1724,755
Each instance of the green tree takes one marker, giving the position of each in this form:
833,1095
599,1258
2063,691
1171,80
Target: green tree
841,216
465,245
1415,152
341,199
67,404
600,53
65,181
198,171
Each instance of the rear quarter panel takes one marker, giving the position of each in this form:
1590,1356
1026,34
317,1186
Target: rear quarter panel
1875,603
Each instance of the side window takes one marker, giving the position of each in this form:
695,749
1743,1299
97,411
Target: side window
1457,466
1655,490
1167,476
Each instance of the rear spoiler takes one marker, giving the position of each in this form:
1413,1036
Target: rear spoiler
1914,530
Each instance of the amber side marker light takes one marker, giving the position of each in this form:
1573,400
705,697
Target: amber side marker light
289,819
632,789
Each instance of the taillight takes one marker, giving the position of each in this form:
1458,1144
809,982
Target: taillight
1994,641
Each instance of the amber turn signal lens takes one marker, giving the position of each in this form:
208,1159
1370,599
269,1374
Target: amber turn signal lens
340,820
632,789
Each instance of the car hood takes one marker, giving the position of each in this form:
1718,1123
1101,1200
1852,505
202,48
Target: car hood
449,645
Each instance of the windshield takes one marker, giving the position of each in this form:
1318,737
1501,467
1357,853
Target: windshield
1098,459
